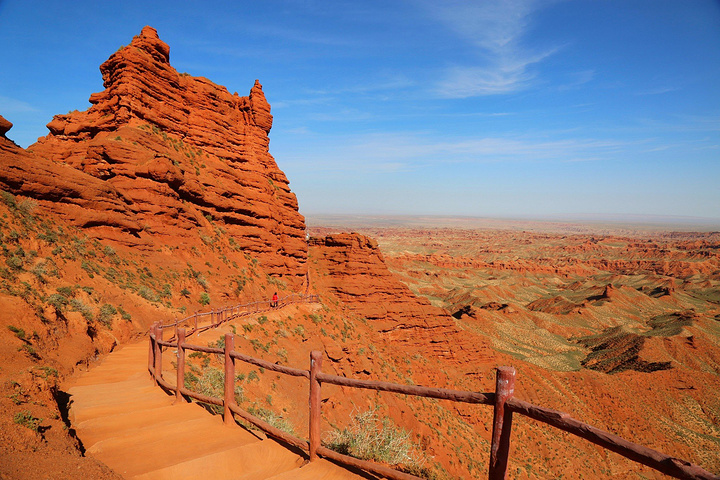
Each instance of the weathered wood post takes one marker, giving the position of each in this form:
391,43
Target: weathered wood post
315,397
180,365
151,352
158,352
502,423
229,379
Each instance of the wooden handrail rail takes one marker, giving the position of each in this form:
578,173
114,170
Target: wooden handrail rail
295,372
243,308
503,400
416,390
666,464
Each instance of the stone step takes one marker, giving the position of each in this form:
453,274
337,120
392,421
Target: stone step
255,461
150,448
319,470
80,413
94,430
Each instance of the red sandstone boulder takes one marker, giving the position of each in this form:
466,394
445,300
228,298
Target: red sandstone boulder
5,125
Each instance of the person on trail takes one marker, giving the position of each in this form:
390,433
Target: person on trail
274,302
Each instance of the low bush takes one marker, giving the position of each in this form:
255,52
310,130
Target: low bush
26,419
204,299
106,313
273,419
370,437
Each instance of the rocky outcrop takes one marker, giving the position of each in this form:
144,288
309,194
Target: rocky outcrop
75,196
187,156
5,126
356,273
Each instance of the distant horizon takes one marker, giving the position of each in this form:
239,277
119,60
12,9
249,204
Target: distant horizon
516,107
623,221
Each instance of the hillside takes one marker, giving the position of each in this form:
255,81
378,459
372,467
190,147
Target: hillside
163,199
622,331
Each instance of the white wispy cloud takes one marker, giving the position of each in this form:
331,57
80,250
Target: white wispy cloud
658,91
496,29
12,105
403,151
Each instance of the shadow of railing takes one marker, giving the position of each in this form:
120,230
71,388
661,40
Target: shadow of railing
505,405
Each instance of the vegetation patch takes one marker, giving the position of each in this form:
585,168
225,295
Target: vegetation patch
27,420
616,350
370,437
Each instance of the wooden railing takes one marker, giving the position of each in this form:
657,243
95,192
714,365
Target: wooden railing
505,405
225,314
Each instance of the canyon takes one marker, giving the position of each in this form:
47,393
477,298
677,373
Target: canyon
163,199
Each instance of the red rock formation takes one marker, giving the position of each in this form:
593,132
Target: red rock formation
76,196
5,125
185,154
358,276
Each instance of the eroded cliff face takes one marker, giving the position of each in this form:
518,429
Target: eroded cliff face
353,269
178,156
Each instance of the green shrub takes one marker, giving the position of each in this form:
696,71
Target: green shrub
204,298
30,350
15,262
124,315
90,268
48,371
27,206
371,438
26,419
211,382
58,301
106,313
219,344
19,332
9,199
66,291
148,294
79,306
272,418
185,292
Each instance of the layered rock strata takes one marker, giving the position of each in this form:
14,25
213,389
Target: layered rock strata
356,273
70,193
184,156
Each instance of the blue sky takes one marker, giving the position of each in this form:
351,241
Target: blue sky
479,108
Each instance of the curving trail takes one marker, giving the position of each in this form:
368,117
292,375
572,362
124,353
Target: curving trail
133,427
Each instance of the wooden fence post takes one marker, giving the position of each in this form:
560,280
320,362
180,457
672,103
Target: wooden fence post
158,351
151,353
315,397
502,423
229,379
180,365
